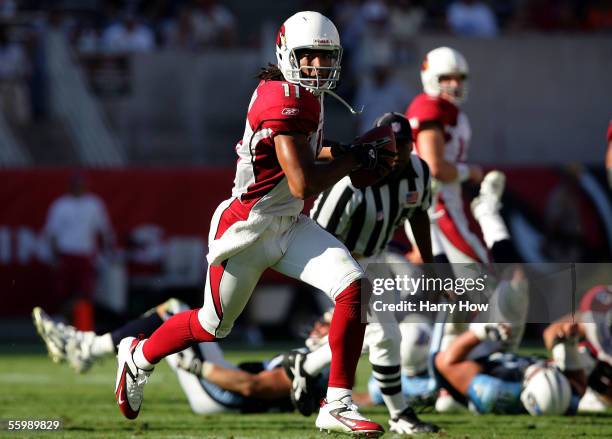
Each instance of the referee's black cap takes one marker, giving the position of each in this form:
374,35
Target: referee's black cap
398,123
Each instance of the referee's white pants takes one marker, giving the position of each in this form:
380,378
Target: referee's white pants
292,245
382,336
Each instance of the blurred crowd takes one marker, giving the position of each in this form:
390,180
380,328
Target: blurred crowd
375,33
143,25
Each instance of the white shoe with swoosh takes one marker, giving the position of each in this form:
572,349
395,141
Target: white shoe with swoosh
342,416
129,388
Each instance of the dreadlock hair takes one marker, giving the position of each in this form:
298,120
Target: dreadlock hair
270,73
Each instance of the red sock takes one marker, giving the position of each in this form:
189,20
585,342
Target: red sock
177,333
346,337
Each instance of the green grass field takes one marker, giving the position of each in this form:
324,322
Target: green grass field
31,387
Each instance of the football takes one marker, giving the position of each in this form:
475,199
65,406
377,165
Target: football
384,137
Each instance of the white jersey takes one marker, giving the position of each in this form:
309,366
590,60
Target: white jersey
75,222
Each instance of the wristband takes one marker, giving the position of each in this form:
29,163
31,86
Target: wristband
207,368
609,171
566,357
483,331
463,172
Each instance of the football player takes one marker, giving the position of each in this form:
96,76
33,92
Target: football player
261,226
211,384
594,326
442,136
494,381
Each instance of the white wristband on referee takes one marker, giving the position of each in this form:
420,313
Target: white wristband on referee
463,172
566,356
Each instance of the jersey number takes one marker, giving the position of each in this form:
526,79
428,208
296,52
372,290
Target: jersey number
288,90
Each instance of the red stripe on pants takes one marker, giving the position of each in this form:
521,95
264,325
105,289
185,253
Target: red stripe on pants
215,275
453,234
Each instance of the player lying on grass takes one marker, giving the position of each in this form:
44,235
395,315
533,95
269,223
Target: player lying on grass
594,329
211,384
489,380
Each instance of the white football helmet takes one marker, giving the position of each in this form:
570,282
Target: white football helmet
546,391
441,62
308,30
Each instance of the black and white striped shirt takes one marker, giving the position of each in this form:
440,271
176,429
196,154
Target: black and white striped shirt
365,219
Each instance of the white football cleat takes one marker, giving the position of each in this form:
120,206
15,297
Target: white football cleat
78,351
129,389
342,416
304,395
54,334
409,423
592,402
447,404
491,190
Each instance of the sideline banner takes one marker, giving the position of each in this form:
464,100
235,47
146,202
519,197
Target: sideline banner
161,218
153,212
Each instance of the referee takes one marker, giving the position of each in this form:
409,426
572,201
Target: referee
365,221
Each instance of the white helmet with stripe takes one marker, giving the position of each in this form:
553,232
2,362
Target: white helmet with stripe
308,30
546,391
441,62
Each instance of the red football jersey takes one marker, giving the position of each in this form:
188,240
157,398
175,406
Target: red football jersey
276,107
455,124
610,132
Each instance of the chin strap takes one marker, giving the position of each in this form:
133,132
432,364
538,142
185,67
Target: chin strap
346,104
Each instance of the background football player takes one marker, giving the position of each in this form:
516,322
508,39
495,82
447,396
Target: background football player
211,383
442,134
505,383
